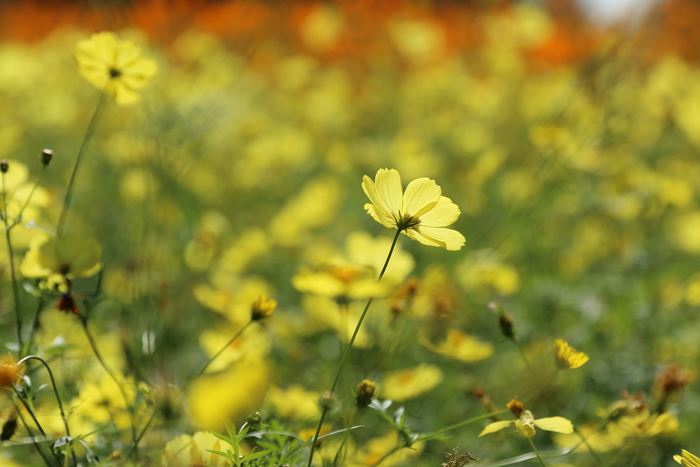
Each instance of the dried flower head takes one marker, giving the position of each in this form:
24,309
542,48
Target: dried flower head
671,382
568,357
516,407
455,459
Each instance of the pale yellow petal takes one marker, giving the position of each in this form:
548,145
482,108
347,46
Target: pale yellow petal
379,216
446,238
415,234
444,213
556,424
370,189
421,196
495,426
388,182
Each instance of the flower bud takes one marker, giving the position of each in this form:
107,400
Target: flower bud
516,407
46,156
505,322
364,393
262,308
9,427
4,166
9,374
326,400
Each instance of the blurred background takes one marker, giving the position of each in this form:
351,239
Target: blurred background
567,132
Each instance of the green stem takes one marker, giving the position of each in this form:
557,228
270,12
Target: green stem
544,385
386,456
58,397
534,449
81,152
15,284
460,425
128,404
29,198
346,435
38,425
206,365
143,432
35,323
347,350
31,435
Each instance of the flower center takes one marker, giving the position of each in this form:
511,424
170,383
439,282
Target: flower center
345,274
114,73
64,269
406,221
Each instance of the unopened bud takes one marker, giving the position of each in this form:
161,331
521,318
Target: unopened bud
46,157
326,400
254,420
505,322
364,393
262,308
4,166
516,407
8,429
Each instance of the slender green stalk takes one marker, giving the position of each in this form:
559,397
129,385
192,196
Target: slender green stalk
534,449
128,403
346,435
35,323
11,256
31,193
143,432
206,365
31,435
83,147
386,456
58,397
347,350
435,434
38,425
522,354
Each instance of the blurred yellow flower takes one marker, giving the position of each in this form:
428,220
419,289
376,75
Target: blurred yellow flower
342,283
421,212
568,357
294,402
195,450
411,382
461,346
687,459
69,256
114,65
9,373
262,308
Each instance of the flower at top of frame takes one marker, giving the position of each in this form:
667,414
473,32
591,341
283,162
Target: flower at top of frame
526,423
421,212
69,256
687,459
114,65
568,357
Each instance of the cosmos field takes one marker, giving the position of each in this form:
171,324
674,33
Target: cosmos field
351,233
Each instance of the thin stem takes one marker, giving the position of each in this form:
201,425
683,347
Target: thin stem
31,435
128,404
35,323
386,456
58,397
460,425
143,432
347,350
206,365
544,385
31,193
522,354
534,449
38,425
81,152
15,284
346,435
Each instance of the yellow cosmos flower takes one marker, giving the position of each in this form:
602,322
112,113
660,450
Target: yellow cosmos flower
195,450
460,346
687,459
411,382
421,212
114,65
526,423
69,256
568,357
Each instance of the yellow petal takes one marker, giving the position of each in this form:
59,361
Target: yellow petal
444,213
446,238
556,424
379,216
495,426
421,196
370,189
388,182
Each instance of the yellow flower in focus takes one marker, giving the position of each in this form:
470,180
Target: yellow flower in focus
411,382
114,65
526,423
195,451
568,357
687,459
421,212
71,255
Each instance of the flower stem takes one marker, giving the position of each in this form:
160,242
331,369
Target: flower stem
29,198
347,350
31,435
346,435
35,323
58,397
206,365
386,456
81,152
534,449
128,404
38,425
15,285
